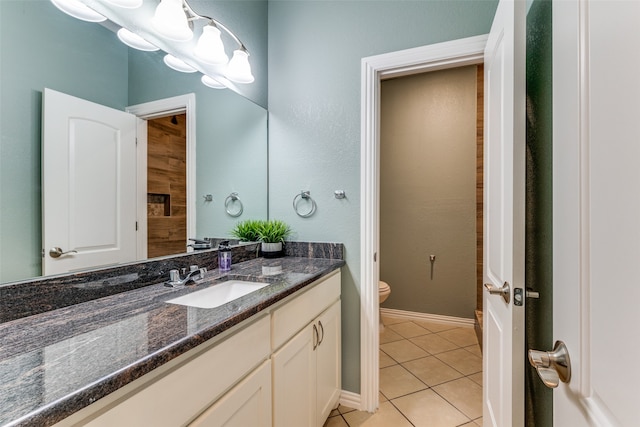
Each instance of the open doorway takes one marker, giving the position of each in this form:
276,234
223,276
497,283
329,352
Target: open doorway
452,54
156,210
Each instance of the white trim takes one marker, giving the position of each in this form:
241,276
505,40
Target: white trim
434,318
350,399
161,108
141,189
439,56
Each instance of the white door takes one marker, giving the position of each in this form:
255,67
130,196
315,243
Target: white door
503,342
596,210
88,184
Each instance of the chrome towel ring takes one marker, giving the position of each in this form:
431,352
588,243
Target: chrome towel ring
306,195
231,200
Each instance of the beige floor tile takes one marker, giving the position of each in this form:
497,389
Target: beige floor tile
469,424
478,421
461,336
433,343
396,381
382,397
336,421
461,360
386,416
409,329
385,360
334,413
405,350
390,320
434,326
474,349
464,394
431,370
389,335
344,409
476,378
427,409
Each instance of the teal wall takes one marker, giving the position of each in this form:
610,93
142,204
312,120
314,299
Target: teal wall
42,47
315,48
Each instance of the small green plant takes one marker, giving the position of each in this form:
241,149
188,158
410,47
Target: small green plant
247,230
273,231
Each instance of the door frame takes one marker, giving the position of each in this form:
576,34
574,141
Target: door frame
451,54
151,110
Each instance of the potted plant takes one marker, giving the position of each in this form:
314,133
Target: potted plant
247,230
272,234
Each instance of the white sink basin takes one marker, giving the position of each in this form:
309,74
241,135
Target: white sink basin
218,295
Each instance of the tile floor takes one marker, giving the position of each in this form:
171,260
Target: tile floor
430,375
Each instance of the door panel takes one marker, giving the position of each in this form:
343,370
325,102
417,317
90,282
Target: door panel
88,183
504,216
596,209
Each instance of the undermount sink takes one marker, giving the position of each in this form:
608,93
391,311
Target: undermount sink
218,295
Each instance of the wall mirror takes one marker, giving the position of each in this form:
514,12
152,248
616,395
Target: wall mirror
40,47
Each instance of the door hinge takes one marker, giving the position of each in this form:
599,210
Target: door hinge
136,225
136,140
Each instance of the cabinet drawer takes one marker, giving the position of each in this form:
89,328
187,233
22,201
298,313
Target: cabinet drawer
176,397
297,313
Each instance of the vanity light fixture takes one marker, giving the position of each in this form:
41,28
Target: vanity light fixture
127,4
133,40
178,64
239,70
78,10
212,83
171,21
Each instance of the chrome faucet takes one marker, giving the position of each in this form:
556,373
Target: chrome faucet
195,273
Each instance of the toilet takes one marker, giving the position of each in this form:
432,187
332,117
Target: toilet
383,293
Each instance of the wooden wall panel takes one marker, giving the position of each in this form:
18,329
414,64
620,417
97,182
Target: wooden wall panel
167,176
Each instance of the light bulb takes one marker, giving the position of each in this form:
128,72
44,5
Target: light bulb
211,82
239,70
133,40
178,64
171,22
78,10
210,48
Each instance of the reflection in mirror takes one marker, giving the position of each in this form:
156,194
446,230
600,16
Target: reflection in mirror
40,47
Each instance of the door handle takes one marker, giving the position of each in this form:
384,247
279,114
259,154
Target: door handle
552,366
505,291
56,252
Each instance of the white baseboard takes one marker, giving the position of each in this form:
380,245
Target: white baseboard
351,400
436,318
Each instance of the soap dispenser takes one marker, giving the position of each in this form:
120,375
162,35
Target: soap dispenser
224,256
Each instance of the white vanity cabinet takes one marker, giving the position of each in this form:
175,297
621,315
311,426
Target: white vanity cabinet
306,367
281,367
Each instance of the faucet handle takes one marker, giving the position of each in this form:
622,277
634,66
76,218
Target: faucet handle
193,268
174,275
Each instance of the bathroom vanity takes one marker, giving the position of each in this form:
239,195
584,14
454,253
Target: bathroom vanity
271,356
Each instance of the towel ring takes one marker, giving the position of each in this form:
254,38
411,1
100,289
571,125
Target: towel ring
307,196
232,198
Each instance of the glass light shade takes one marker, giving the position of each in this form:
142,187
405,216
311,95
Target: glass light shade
78,10
127,4
212,83
171,22
178,64
133,40
210,48
239,70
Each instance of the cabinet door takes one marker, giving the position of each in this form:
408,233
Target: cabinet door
328,362
247,404
294,381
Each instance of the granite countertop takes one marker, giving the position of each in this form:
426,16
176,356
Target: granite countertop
55,363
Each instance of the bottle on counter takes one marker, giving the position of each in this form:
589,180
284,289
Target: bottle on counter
224,256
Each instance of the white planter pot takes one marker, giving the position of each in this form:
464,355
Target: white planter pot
271,247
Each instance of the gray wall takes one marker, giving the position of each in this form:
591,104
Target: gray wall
428,191
315,48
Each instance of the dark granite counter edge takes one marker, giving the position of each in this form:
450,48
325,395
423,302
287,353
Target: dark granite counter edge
64,407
